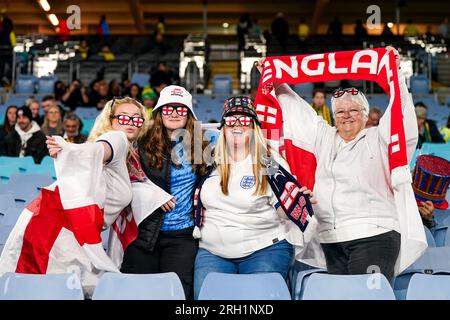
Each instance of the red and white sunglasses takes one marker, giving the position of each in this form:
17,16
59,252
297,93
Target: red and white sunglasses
123,120
244,121
181,111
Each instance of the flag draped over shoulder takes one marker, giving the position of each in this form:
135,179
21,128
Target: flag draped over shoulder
376,65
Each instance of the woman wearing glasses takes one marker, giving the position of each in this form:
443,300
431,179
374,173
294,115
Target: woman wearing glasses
91,176
358,223
243,228
165,242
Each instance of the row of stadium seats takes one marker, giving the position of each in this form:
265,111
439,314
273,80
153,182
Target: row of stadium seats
221,286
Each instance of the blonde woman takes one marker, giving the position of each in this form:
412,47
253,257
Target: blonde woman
60,230
52,125
243,228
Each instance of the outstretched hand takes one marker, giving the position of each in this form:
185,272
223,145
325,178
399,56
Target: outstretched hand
52,146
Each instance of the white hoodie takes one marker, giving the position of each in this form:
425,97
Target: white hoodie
25,136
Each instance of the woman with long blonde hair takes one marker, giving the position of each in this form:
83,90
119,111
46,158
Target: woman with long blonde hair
243,227
165,242
53,122
60,230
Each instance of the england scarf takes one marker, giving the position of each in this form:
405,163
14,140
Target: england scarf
59,231
376,65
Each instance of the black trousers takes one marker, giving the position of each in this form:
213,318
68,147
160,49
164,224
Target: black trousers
366,255
174,251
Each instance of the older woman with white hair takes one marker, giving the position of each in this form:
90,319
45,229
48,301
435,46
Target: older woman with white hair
359,229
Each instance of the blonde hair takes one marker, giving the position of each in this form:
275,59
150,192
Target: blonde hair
103,123
45,128
258,149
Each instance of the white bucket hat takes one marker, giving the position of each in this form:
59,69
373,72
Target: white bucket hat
175,94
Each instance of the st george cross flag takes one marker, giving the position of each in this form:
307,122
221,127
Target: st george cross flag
279,122
59,231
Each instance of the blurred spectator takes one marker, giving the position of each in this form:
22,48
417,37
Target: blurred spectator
159,43
160,26
72,127
335,29
428,131
162,70
429,33
445,131
103,29
49,101
159,80
7,43
33,105
426,213
76,95
107,54
60,90
444,29
360,30
52,125
303,30
374,117
255,29
410,29
126,85
2,143
267,36
318,104
242,29
114,90
387,32
84,50
99,94
280,31
10,120
27,139
149,98
134,92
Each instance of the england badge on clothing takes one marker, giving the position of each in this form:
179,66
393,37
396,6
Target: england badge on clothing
247,182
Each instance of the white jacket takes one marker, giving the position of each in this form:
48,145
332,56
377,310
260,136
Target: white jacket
353,187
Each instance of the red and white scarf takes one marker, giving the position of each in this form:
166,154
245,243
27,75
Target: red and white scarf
376,65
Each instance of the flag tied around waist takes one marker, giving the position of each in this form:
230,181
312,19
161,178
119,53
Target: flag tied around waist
376,65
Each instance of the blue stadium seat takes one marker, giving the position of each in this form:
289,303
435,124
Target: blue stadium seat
142,79
430,239
442,236
419,84
304,89
87,112
15,101
105,238
20,162
258,286
437,149
300,279
6,170
46,84
17,286
120,286
37,180
429,287
348,287
10,218
6,202
442,217
5,230
433,261
88,124
25,84
222,84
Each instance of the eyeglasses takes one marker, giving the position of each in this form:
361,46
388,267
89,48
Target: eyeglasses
123,120
351,112
340,92
244,121
181,111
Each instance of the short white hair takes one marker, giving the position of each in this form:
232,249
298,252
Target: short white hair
359,99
